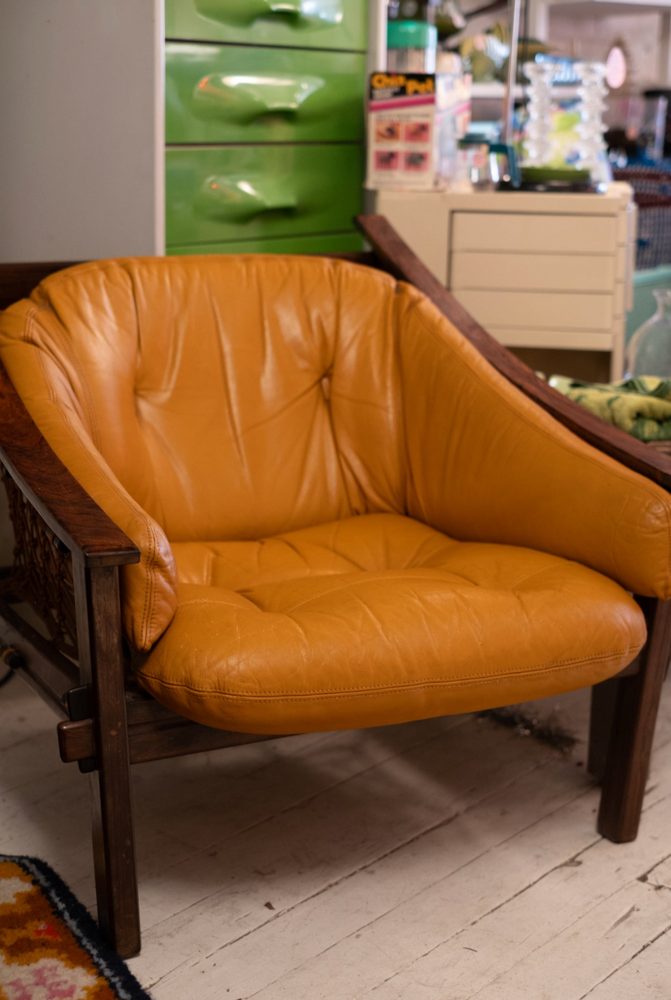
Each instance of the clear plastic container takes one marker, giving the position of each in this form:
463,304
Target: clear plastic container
649,350
538,144
591,144
473,163
453,102
411,47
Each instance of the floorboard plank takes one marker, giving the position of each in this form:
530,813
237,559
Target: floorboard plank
23,713
660,875
645,976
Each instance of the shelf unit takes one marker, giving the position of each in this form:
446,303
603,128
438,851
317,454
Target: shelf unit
495,90
549,271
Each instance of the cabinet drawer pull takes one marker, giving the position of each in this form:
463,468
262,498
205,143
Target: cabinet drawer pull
243,13
237,199
240,99
259,191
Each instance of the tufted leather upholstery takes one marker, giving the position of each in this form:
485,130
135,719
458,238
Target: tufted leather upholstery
346,516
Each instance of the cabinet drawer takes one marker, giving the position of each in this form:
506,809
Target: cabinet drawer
532,272
241,93
519,233
539,310
327,243
254,192
317,24
563,340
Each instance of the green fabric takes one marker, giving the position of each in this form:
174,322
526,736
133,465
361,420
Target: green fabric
640,406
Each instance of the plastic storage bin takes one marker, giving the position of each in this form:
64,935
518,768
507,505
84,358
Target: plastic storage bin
411,47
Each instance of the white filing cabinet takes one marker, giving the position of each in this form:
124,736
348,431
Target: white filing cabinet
536,270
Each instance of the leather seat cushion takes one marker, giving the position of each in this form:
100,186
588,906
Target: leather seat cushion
379,619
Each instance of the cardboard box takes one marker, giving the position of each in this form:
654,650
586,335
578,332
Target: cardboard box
401,131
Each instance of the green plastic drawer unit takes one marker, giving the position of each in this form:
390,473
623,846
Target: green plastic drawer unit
253,192
312,24
242,93
328,243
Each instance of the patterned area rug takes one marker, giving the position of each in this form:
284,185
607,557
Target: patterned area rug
50,946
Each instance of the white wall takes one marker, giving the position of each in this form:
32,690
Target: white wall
81,129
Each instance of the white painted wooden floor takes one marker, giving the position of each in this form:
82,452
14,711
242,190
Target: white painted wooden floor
443,860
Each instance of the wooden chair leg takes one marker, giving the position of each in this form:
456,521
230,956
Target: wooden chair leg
101,663
114,857
601,718
633,729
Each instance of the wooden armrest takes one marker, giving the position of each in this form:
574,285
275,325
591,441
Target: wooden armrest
73,516
397,258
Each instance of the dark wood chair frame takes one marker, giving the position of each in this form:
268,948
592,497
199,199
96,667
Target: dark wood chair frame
68,554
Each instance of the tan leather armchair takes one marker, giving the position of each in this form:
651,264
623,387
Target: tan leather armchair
327,509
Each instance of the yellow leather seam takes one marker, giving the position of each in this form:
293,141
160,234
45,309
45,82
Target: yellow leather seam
31,319
67,274
365,576
346,482
222,604
409,486
150,590
420,682
522,416
135,509
543,569
445,570
366,503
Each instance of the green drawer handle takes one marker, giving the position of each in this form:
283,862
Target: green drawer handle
243,13
239,98
238,199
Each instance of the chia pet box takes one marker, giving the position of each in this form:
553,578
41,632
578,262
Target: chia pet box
402,151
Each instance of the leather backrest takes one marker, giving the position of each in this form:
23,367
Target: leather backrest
222,397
